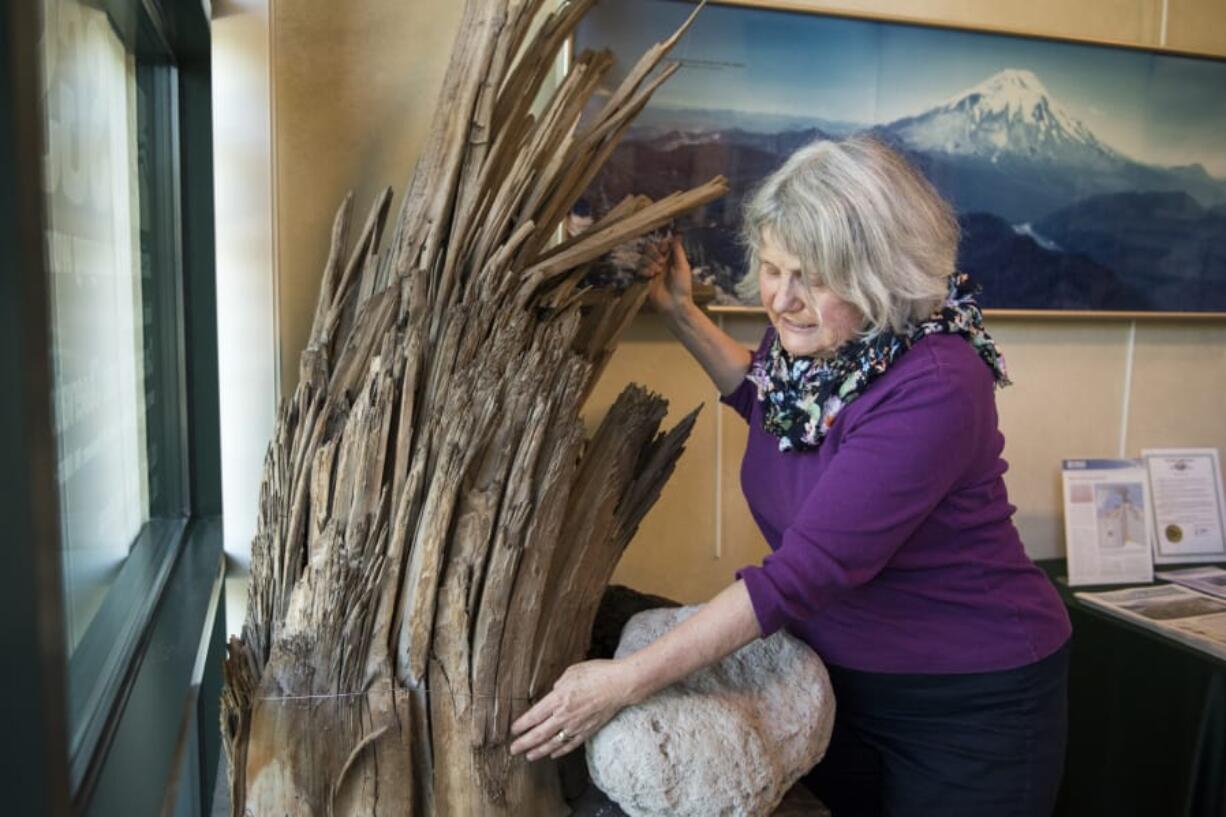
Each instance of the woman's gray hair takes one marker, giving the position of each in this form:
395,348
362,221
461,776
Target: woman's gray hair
865,224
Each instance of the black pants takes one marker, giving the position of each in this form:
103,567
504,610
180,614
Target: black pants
974,745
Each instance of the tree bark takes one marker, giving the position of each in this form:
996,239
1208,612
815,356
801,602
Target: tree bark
435,531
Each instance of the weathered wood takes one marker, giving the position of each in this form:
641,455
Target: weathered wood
323,757
327,286
595,243
434,530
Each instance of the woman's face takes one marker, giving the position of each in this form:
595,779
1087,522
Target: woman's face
810,320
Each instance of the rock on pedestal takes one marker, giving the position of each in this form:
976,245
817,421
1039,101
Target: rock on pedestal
728,741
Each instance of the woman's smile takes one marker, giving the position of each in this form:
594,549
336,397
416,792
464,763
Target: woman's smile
799,324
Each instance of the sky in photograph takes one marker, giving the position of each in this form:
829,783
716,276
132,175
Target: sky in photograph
1159,109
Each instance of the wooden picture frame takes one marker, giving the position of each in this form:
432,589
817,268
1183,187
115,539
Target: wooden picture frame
1102,197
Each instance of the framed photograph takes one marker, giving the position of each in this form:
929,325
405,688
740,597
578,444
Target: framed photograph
1088,179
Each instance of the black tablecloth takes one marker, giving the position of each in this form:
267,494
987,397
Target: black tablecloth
1147,720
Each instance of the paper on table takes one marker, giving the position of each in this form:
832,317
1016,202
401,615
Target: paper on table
1188,509
1209,580
1106,522
1182,614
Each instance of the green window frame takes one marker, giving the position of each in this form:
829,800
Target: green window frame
126,724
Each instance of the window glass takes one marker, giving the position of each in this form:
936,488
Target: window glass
98,316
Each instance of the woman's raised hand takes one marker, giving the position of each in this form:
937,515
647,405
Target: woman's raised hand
671,292
672,285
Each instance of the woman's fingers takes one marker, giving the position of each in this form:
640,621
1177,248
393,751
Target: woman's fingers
680,278
582,700
549,744
538,728
571,745
536,742
654,260
677,251
537,714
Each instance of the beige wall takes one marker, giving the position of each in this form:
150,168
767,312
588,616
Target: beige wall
247,337
354,85
353,88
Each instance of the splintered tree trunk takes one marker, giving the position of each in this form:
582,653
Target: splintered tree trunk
435,528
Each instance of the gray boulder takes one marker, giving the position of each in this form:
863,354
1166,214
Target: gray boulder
728,741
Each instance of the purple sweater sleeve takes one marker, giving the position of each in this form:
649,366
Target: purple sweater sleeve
741,399
897,460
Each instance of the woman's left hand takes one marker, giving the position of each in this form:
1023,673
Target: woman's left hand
584,699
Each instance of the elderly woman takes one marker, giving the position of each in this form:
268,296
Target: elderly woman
874,471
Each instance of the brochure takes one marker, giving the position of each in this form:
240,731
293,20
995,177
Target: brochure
1174,611
1208,580
1107,522
1189,512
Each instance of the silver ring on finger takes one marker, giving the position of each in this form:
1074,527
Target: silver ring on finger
561,736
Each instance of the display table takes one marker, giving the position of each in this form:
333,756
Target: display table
1147,720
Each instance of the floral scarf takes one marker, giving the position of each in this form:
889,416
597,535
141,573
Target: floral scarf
802,396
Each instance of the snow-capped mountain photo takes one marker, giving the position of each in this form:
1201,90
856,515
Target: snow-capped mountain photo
1010,116
1008,146
1083,177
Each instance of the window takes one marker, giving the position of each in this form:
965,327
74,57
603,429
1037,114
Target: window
116,283
110,428
94,232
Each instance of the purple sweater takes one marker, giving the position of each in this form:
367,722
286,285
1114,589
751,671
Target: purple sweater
894,545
